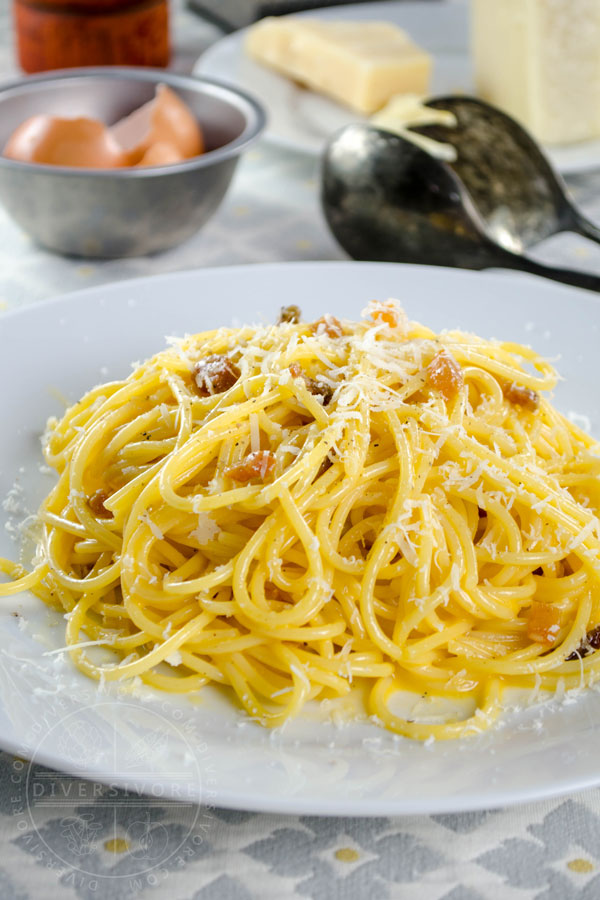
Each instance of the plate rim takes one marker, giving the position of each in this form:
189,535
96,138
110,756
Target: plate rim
294,805
222,270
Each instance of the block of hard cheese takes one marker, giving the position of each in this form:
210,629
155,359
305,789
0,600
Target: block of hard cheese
539,60
360,64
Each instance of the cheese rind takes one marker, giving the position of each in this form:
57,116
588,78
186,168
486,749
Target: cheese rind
359,64
539,60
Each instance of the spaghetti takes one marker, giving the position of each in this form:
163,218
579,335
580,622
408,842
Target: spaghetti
287,510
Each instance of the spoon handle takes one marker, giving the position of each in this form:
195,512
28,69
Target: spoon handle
584,227
586,280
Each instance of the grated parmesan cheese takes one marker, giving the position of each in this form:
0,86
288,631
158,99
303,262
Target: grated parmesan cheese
206,530
147,520
174,659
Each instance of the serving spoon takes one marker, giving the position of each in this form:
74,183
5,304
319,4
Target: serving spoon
385,198
515,189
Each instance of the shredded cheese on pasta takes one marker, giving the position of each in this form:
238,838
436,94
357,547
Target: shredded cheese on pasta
295,509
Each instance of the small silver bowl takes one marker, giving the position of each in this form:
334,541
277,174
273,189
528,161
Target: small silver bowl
107,213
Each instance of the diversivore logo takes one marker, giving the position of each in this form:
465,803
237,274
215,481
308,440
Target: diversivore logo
86,828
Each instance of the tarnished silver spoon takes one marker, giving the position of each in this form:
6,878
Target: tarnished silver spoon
387,199
515,189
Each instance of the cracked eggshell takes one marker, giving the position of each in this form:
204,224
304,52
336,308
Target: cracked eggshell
166,119
51,140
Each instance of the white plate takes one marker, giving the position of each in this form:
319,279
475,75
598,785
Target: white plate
208,749
302,120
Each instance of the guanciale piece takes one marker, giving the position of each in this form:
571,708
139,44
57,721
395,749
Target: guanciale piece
215,374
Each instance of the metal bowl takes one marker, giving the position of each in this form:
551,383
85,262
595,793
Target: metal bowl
122,212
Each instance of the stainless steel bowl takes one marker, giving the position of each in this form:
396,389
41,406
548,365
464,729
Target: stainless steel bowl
122,212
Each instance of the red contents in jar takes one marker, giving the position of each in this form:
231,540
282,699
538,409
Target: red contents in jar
56,34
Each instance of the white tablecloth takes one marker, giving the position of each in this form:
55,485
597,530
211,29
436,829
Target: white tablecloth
546,851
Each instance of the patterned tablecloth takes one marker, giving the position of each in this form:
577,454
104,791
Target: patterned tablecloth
111,848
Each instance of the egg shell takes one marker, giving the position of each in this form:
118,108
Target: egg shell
167,120
161,154
51,140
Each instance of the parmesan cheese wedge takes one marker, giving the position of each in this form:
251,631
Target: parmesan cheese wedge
359,64
539,60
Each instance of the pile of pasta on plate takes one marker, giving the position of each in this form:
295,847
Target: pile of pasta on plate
306,511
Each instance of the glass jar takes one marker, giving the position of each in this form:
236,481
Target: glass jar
57,34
